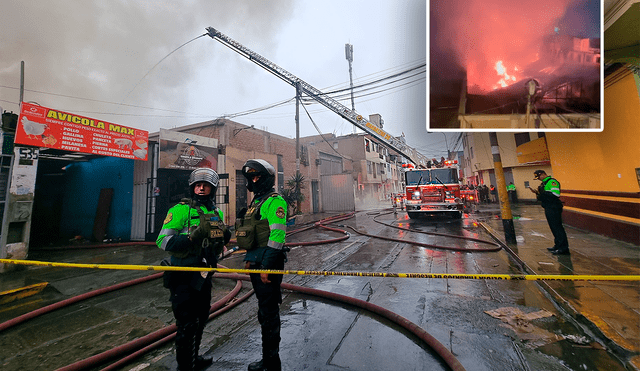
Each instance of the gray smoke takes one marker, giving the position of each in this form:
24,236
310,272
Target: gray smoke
101,49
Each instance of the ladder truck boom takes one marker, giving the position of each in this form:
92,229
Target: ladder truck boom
332,104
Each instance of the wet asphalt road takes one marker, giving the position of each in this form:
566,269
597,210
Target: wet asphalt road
317,334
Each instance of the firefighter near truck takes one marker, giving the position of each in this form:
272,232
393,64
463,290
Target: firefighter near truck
433,191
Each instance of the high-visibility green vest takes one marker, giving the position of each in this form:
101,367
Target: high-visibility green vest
184,217
551,185
549,193
267,230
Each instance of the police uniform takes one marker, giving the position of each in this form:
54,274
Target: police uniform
261,231
549,195
511,191
190,292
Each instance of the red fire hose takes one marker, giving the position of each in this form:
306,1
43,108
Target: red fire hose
162,336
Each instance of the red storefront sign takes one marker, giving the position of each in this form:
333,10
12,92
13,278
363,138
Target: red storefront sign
45,127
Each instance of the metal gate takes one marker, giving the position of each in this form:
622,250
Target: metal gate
337,192
241,192
6,169
167,190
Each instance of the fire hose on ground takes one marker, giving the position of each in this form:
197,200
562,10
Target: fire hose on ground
165,335
162,336
151,341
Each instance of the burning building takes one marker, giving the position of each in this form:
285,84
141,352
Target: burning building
560,90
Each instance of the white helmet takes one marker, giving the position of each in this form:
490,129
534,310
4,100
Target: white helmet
204,174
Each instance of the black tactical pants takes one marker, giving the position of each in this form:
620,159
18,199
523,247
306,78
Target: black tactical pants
191,310
269,298
554,218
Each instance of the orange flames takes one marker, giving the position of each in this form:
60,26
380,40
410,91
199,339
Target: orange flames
505,79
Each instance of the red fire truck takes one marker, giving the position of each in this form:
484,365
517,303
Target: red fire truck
434,190
469,197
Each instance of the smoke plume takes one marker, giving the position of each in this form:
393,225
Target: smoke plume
100,50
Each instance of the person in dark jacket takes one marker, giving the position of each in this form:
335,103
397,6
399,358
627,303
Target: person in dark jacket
548,193
194,235
485,194
494,194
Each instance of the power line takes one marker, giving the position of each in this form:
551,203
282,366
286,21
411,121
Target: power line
92,100
365,87
322,136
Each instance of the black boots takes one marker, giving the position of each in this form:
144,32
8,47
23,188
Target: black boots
266,364
185,346
199,363
270,346
188,341
202,362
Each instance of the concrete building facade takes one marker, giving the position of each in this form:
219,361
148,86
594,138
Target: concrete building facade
518,166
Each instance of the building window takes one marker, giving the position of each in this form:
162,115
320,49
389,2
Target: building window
368,167
521,138
366,145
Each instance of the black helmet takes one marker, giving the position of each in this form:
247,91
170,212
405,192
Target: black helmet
204,174
537,173
266,172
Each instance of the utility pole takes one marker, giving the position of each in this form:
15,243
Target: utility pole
297,128
531,91
348,51
21,81
447,145
505,207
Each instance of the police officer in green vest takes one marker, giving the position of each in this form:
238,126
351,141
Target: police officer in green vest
194,235
548,193
261,231
511,192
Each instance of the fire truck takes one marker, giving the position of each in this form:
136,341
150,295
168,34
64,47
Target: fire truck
469,197
434,190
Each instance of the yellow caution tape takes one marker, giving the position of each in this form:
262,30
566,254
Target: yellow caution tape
522,277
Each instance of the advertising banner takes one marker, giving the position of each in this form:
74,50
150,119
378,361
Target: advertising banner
45,127
187,151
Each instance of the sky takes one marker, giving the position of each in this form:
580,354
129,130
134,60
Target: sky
117,61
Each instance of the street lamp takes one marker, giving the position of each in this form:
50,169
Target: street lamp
446,145
236,131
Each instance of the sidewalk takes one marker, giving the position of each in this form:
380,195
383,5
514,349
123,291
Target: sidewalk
611,310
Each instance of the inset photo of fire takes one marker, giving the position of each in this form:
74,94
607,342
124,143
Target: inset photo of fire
529,65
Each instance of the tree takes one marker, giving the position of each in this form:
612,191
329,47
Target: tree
292,194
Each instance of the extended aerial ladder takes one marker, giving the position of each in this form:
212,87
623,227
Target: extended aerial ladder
348,114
